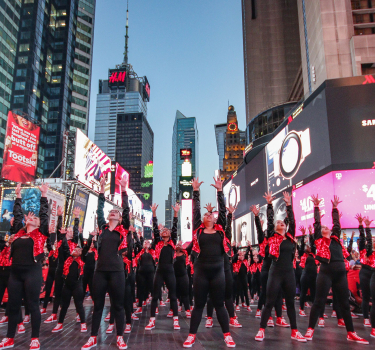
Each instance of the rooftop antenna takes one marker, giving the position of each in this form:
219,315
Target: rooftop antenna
126,35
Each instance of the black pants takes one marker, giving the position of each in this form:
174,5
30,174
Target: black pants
59,283
242,289
88,275
4,278
262,298
128,302
114,282
164,274
48,286
209,279
145,280
228,295
280,280
364,281
72,289
308,281
372,286
182,290
332,275
255,284
191,292
29,279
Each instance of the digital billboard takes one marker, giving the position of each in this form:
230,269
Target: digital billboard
20,149
91,163
80,200
30,203
117,174
186,220
147,216
117,78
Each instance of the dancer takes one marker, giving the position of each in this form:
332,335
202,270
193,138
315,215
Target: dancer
209,245
109,273
27,253
281,275
331,254
164,246
241,268
90,261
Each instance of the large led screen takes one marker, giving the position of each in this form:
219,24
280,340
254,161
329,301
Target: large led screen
186,220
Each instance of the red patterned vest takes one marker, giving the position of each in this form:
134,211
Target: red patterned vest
323,253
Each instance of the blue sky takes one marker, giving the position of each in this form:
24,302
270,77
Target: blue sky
192,54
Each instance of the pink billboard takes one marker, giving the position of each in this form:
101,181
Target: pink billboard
355,188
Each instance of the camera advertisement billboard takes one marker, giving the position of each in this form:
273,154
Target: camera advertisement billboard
20,150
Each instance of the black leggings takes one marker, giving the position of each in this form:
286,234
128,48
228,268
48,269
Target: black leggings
72,289
255,284
87,281
145,280
372,286
364,280
280,280
4,279
209,278
182,290
164,274
242,289
128,303
308,281
228,295
29,279
333,274
114,282
59,283
48,286
262,298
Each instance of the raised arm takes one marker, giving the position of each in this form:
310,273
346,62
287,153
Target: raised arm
125,204
301,249
176,209
17,212
270,214
336,229
155,226
101,201
76,212
369,244
317,223
59,235
43,211
289,209
258,224
312,240
362,238
228,227
197,220
218,184
350,246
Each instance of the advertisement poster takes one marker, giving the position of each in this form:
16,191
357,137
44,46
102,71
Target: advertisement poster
118,173
20,150
186,220
30,203
80,201
91,163
147,215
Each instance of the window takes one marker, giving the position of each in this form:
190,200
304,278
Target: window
23,59
60,24
56,80
20,85
18,98
21,72
24,47
25,35
26,23
54,103
50,152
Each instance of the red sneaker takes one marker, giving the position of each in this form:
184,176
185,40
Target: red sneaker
151,325
354,315
167,301
302,313
366,322
21,328
110,329
209,322
229,340
340,323
138,310
43,311
144,303
298,336
258,314
189,341
157,311
7,343
34,345
352,336
325,316
134,317
270,322
188,314
307,305
162,303
52,318
4,320
260,335
334,315
248,308
107,318
284,308
238,308
58,328
234,323
321,322
78,319
309,334
90,343
373,333
176,325
27,319
170,313
120,343
83,327
179,309
280,322
128,329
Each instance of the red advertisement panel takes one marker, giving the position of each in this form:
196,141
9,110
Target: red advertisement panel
21,149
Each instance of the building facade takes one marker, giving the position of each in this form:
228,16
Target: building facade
168,210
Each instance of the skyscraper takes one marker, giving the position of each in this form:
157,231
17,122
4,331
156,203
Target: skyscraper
122,130
48,53
168,210
272,56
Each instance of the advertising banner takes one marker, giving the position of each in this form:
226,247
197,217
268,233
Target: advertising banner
20,150
186,220
147,215
80,200
118,172
91,163
30,203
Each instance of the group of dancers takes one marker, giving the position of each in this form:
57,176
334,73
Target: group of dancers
209,271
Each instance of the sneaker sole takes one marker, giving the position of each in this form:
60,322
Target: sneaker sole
372,335
21,332
299,340
358,341
48,322
230,345
367,325
188,346
281,325
321,326
83,331
8,347
123,347
271,325
341,326
109,332
235,326
209,326
309,339
92,346
259,339
149,329
176,328
57,330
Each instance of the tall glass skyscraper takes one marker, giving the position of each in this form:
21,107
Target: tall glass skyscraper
185,135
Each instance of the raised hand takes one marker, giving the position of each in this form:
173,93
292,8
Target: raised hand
353,233
76,212
102,184
51,229
94,233
303,230
18,190
63,230
154,207
336,201
124,184
255,210
80,229
359,218
209,207
196,184
310,229
287,198
268,196
177,207
132,228
160,227
316,200
44,188
367,221
231,209
218,184
60,211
